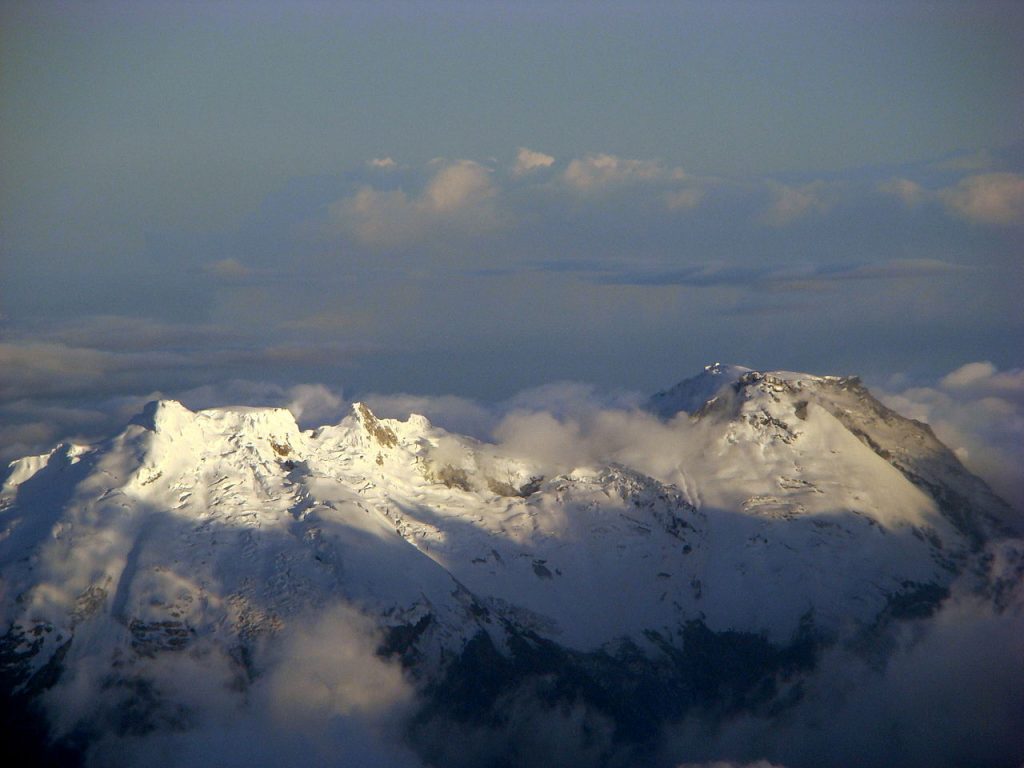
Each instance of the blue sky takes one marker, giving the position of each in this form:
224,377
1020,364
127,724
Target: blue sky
476,198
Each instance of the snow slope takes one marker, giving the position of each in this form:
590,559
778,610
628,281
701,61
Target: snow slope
791,501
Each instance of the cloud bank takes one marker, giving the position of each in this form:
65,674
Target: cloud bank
528,160
978,411
322,696
412,276
458,197
950,693
992,199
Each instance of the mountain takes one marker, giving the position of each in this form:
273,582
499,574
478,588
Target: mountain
771,517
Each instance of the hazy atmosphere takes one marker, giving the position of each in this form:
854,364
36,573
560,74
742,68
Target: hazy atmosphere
520,220
221,201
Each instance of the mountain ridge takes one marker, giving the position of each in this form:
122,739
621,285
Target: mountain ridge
798,507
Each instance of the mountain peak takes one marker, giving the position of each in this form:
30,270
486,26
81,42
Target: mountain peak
690,394
798,514
383,434
170,422
159,415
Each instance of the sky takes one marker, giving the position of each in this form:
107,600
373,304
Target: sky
226,201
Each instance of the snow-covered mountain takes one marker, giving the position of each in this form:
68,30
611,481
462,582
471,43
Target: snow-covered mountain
777,515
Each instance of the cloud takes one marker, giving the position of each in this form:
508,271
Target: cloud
377,217
978,412
45,369
586,433
950,691
57,384
792,203
328,321
322,697
910,192
315,404
382,163
231,269
990,198
684,199
894,268
528,160
27,439
30,369
975,161
33,424
35,365
797,277
458,198
596,172
967,375
331,669
984,379
125,333
457,186
456,414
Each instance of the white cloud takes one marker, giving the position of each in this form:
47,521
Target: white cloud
792,203
323,697
315,404
459,198
457,186
985,378
949,693
331,669
966,375
988,198
598,171
910,192
978,412
530,160
456,414
383,163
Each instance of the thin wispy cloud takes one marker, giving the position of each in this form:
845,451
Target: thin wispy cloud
230,268
528,160
792,203
796,278
597,172
990,199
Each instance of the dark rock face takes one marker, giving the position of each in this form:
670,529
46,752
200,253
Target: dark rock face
26,739
631,692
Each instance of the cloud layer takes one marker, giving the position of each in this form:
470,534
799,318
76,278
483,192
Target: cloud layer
322,697
978,411
417,276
